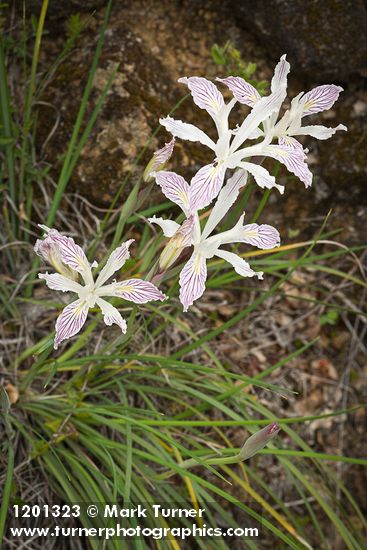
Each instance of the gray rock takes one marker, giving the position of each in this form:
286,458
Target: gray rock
174,41
324,39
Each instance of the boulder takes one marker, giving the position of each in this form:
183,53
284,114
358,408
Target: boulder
324,39
174,41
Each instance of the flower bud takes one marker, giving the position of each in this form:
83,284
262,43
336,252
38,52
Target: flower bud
158,160
49,251
180,240
171,252
258,441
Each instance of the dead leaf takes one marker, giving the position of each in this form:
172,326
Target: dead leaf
13,393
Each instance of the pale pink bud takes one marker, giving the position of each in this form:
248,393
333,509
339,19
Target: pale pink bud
49,250
258,441
159,160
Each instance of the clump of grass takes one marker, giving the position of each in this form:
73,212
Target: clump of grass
134,418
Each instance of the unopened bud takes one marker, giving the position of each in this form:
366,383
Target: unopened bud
181,239
258,441
171,252
158,160
49,251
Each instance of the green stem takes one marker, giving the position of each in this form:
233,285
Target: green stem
5,114
219,461
240,208
6,491
266,195
29,97
262,204
213,461
4,412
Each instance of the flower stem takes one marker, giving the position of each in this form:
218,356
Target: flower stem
262,204
266,195
27,123
213,461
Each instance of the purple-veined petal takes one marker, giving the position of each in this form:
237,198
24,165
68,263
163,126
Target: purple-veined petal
72,255
159,159
205,185
320,98
226,199
192,280
279,80
293,158
70,321
205,94
55,281
278,86
175,188
115,262
169,227
162,155
133,290
111,315
240,265
262,110
319,132
244,92
263,236
49,251
262,176
186,131
186,230
289,141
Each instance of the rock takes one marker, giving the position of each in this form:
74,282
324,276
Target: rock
325,39
175,41
344,165
131,110
145,88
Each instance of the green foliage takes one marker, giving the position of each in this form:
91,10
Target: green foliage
18,126
3,6
74,26
230,59
330,317
6,491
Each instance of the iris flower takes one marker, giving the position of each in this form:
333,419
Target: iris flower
261,123
71,263
194,274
